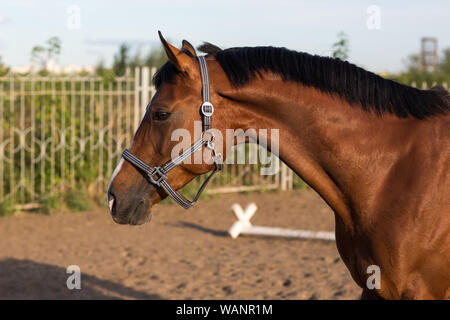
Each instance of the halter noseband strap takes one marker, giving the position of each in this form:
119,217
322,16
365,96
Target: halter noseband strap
158,175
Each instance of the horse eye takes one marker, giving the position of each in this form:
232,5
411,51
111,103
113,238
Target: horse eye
160,115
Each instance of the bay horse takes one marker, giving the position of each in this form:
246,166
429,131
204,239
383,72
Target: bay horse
377,151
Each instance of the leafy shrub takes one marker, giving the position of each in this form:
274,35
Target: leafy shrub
7,208
299,184
77,200
50,203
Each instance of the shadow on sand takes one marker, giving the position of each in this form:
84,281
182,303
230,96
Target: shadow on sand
218,233
25,279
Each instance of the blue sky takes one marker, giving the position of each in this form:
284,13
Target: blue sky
309,26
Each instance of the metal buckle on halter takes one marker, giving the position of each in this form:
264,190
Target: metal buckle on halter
205,112
158,180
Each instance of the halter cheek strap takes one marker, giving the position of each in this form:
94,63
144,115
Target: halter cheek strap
207,108
158,175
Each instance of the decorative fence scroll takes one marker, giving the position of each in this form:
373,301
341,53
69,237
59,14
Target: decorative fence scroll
59,131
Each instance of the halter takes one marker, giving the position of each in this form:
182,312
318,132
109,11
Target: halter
158,175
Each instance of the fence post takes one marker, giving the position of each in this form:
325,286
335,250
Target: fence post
290,185
153,90
145,88
284,180
137,73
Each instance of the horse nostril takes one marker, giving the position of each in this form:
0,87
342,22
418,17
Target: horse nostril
111,203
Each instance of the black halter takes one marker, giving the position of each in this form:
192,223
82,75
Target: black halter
158,175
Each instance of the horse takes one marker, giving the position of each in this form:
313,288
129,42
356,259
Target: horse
375,150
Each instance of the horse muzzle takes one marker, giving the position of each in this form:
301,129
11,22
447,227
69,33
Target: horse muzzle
133,211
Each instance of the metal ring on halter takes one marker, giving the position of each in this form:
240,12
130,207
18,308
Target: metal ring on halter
205,112
210,132
161,177
216,156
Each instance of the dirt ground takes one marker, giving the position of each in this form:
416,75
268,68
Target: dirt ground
178,255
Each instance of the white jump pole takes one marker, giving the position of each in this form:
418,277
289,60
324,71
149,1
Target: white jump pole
243,226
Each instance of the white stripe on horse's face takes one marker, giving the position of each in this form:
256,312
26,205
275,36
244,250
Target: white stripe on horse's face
114,174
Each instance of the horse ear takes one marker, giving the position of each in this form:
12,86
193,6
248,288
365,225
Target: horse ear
179,58
189,47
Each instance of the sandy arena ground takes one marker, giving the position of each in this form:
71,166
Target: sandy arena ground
178,255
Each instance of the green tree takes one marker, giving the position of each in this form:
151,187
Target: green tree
341,47
121,60
100,67
105,73
413,73
136,61
444,65
3,68
50,50
155,58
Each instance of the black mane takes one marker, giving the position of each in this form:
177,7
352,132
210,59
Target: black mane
355,85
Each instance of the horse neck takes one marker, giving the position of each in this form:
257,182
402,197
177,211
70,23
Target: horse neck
327,142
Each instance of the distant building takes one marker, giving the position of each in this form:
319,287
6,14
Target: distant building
20,69
52,67
428,58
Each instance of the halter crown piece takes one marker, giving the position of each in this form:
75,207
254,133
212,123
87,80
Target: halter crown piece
158,175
